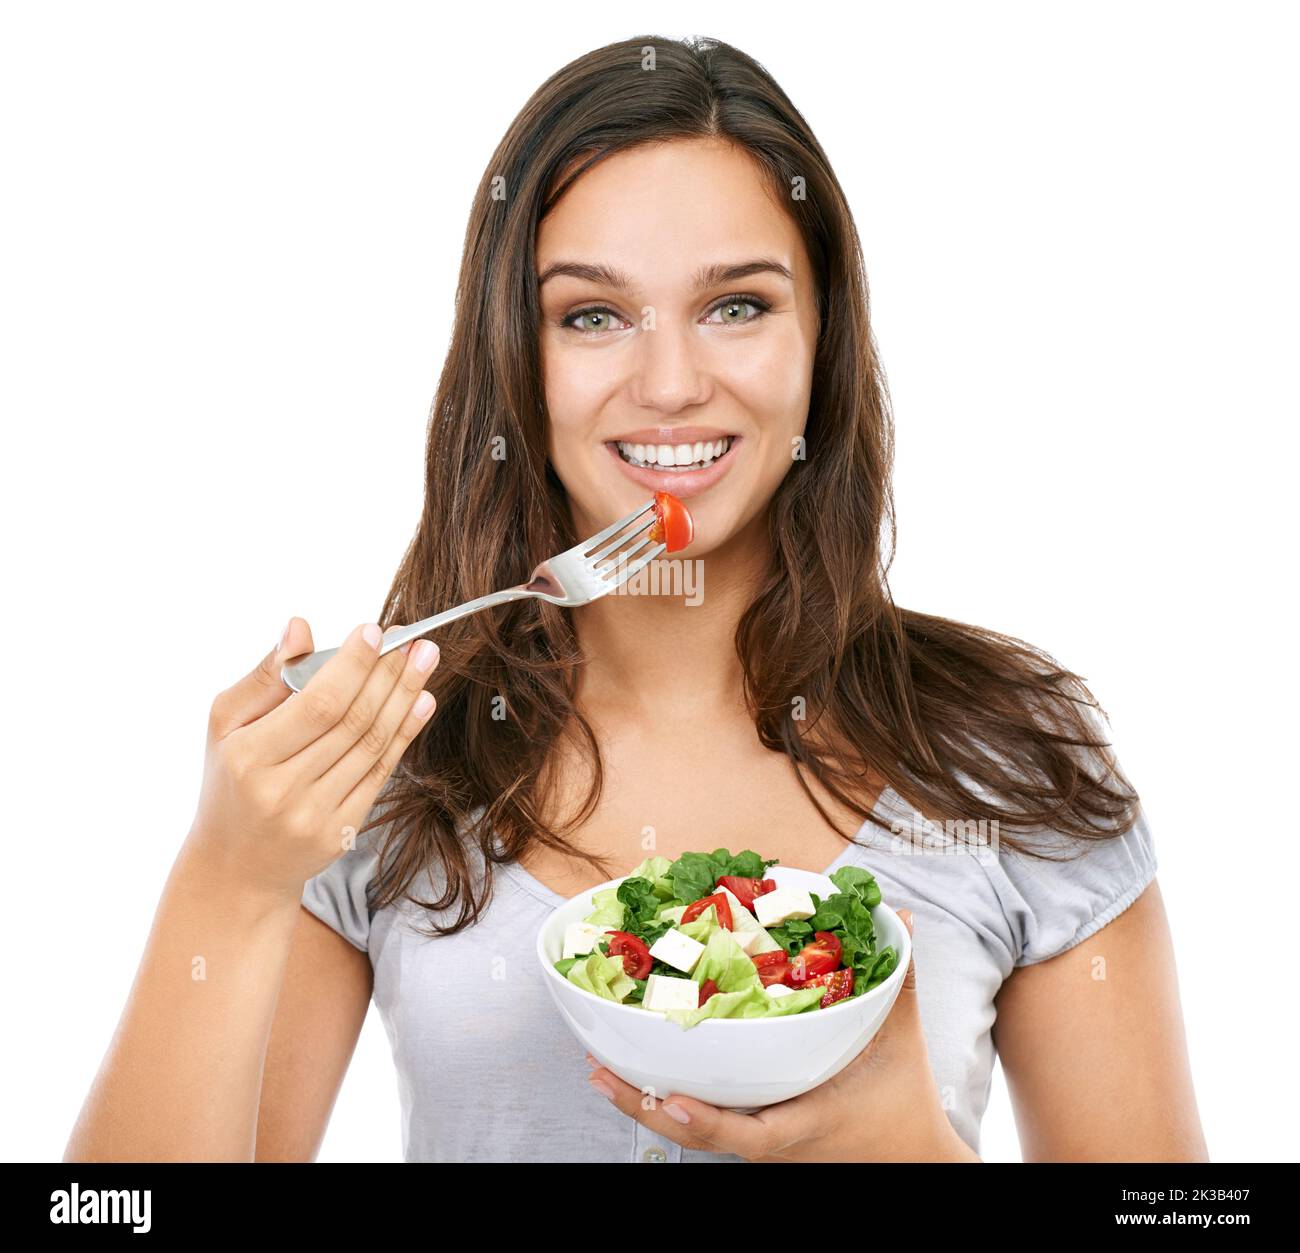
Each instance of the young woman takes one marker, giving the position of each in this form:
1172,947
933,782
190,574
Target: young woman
658,256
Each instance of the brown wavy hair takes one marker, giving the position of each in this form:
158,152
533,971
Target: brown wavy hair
912,698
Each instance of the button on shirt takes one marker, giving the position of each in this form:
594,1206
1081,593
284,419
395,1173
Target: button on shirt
488,1070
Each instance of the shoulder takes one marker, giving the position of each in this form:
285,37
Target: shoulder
1058,886
1061,889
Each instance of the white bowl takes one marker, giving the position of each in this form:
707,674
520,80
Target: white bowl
738,1063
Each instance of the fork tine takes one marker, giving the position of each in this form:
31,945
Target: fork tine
610,531
627,572
616,543
645,539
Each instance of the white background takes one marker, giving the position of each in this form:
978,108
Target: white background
230,240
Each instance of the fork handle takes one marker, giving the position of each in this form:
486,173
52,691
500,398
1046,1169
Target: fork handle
395,637
299,674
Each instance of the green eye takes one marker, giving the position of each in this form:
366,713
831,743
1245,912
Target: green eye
734,310
590,321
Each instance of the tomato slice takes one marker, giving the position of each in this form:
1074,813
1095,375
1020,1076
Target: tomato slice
772,967
838,985
634,952
765,886
818,957
707,989
696,908
673,525
744,890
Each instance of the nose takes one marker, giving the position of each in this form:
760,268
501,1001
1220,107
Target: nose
669,375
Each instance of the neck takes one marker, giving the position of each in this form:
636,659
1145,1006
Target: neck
670,649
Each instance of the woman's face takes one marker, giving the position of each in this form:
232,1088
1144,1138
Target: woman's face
678,310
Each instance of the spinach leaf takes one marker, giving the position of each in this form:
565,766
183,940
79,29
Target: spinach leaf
854,881
640,904
847,916
748,865
693,875
885,964
793,935
696,874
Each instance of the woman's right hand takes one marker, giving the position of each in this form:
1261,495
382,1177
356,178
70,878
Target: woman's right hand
288,778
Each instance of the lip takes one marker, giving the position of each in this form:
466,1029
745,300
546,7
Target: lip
681,483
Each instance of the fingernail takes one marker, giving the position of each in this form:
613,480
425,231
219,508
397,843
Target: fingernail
602,1087
405,648
372,635
591,1061
426,652
677,1112
423,703
284,635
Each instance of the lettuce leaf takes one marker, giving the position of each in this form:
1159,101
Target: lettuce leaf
655,869
608,911
602,975
703,927
740,990
749,1002
726,963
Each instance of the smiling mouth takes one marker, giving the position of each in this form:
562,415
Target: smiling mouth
673,458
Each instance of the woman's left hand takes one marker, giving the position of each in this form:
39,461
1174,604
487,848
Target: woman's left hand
883,1106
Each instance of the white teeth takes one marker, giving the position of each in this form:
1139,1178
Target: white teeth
673,457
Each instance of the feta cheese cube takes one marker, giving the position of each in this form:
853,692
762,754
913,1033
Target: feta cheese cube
663,992
580,938
778,989
678,950
774,908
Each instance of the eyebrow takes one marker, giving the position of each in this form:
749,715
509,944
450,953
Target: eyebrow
706,276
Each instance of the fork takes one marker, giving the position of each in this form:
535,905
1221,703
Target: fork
572,578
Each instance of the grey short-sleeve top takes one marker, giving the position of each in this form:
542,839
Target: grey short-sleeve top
487,1070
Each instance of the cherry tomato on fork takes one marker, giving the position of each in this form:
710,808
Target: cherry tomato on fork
633,950
673,524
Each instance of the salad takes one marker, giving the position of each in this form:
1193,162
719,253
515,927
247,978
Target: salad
709,936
